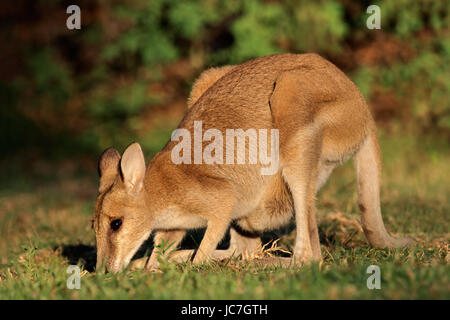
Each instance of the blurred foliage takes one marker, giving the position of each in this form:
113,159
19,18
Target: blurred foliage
84,90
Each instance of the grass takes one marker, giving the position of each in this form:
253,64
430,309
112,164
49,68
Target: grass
45,226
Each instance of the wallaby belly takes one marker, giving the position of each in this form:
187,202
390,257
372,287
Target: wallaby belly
274,210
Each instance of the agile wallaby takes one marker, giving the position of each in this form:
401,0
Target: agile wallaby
322,120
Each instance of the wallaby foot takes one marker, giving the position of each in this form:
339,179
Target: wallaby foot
300,175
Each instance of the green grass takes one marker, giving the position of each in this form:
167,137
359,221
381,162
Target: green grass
43,222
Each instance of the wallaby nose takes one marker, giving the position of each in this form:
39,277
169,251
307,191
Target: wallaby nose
113,266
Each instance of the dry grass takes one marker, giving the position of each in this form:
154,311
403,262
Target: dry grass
44,227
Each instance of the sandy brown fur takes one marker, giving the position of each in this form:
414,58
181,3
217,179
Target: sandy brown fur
205,81
322,120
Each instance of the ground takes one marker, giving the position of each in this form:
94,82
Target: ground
45,225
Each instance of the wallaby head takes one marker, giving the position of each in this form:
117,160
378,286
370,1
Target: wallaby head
121,204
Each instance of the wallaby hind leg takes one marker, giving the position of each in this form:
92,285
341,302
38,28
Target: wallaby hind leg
300,173
307,245
314,234
319,175
324,172
297,95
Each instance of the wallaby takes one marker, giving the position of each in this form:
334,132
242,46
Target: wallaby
322,120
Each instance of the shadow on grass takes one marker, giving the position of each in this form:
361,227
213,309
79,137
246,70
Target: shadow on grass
86,255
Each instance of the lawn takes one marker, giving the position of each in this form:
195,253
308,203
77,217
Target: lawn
45,226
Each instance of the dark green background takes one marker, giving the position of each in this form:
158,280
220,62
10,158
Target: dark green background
126,74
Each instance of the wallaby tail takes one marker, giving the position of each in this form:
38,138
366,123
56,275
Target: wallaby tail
368,171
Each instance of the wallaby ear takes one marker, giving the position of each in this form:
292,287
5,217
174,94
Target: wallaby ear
132,167
108,168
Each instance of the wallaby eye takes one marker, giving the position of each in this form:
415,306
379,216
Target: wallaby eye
115,224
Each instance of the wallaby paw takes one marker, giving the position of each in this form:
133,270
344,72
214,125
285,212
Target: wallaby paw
138,264
200,258
304,257
144,263
181,256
